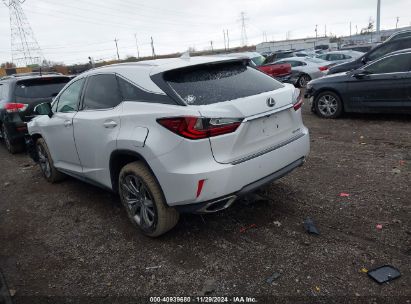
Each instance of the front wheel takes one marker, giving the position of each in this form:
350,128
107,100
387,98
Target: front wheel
46,163
143,200
328,105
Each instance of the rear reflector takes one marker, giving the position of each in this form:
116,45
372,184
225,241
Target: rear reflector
15,107
200,187
198,127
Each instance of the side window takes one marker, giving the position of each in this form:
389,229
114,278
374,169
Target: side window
68,100
392,64
129,91
323,57
295,63
383,50
1,91
102,92
347,57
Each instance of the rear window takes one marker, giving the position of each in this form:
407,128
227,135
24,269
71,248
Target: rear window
40,88
218,83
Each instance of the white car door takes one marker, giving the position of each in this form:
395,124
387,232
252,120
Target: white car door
58,130
96,126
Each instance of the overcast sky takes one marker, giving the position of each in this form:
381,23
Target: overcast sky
70,31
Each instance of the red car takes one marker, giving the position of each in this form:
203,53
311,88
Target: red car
281,72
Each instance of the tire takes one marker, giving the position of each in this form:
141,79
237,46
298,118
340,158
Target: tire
12,148
144,202
303,80
50,173
328,105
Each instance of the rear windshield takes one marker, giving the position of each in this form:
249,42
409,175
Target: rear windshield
40,88
210,84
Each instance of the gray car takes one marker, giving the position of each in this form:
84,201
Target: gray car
340,56
306,69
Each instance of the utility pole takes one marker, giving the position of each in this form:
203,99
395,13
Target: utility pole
325,30
350,29
212,49
396,24
228,41
243,29
378,16
356,29
316,33
118,56
225,45
152,48
138,51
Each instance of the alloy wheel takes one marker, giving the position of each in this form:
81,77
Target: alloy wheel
139,201
44,161
304,79
327,105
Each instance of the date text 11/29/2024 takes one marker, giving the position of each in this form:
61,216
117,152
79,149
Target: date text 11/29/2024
203,299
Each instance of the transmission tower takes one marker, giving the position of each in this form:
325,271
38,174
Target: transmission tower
24,47
243,20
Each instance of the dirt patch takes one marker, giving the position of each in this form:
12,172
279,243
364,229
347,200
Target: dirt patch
74,240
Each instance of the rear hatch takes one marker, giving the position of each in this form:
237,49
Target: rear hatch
34,91
234,90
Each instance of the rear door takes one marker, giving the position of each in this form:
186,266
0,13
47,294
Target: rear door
58,132
96,126
232,90
385,86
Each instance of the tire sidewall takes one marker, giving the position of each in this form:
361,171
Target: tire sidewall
130,171
54,174
339,105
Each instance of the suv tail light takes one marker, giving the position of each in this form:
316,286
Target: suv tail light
323,68
15,107
297,99
199,127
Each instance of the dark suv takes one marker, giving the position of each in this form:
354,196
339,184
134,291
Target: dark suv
375,53
19,94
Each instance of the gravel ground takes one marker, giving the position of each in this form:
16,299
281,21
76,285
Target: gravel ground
72,242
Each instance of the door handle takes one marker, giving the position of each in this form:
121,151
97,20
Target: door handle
110,124
68,123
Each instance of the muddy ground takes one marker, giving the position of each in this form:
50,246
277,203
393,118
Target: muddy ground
73,242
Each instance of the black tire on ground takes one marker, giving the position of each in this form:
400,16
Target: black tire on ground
51,174
162,217
303,80
12,148
328,105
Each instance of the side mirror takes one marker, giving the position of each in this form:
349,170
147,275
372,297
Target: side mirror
359,74
364,60
44,109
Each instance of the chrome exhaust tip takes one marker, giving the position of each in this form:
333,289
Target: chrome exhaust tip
218,205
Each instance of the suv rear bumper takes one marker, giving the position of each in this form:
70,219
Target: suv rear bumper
226,201
180,184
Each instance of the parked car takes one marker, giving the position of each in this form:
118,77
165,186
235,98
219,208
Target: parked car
375,53
383,85
340,56
281,72
19,94
171,135
305,69
399,35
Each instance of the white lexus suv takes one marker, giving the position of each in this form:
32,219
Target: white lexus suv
172,135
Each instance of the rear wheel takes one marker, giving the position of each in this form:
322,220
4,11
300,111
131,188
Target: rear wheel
143,200
12,148
46,163
328,105
303,80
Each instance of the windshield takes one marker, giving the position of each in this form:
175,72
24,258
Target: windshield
40,88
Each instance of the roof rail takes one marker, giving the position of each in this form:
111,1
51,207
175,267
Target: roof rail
29,74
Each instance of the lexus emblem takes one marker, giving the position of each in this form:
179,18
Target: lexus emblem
270,102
